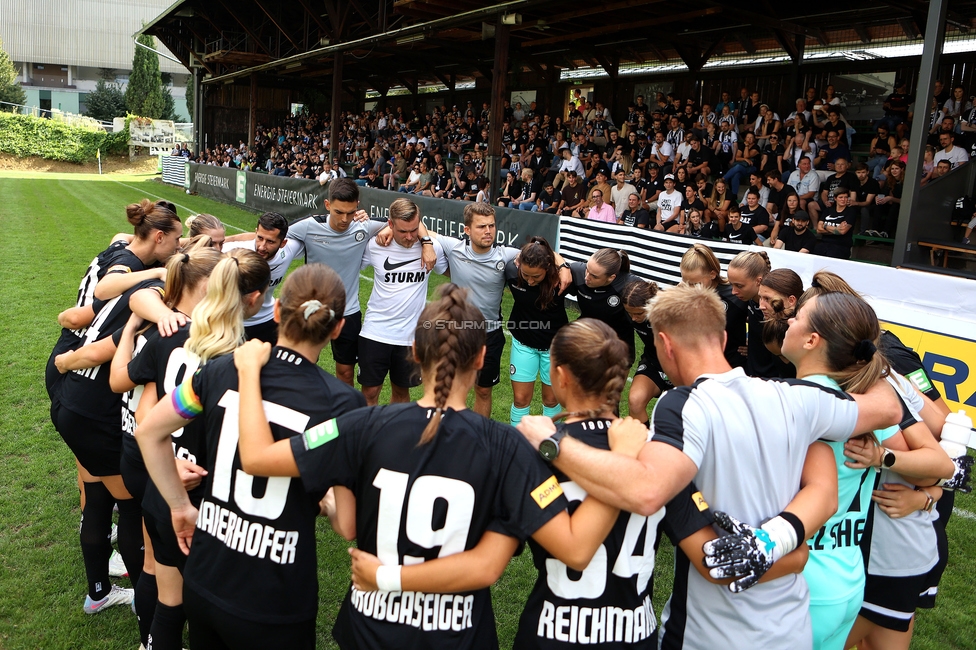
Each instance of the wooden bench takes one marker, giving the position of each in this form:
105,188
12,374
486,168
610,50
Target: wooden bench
946,247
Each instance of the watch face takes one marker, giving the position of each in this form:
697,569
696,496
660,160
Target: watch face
888,459
549,449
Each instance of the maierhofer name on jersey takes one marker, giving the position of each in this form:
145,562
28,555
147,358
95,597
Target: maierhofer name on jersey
250,537
429,612
584,625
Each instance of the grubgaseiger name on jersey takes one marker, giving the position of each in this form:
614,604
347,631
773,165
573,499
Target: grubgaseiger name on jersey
428,612
584,625
250,537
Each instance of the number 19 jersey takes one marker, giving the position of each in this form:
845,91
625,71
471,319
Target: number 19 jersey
419,502
254,546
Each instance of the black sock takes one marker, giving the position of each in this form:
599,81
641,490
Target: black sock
131,544
146,595
96,543
167,628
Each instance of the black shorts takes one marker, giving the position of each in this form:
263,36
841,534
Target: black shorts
891,602
934,577
166,550
345,348
652,370
266,331
213,628
491,373
97,445
135,476
377,359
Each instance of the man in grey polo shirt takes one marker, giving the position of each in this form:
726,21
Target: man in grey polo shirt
477,264
338,239
744,442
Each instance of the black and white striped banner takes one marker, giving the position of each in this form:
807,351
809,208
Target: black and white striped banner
653,255
175,171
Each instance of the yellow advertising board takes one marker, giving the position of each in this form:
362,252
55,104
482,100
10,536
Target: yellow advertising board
950,362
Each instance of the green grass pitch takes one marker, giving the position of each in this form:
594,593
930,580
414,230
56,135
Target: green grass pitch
52,226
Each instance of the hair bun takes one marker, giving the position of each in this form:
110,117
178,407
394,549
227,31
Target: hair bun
864,350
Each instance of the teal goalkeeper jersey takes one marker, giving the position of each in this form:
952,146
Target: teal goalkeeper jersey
835,570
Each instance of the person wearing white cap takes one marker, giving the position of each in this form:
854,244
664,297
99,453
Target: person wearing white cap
668,206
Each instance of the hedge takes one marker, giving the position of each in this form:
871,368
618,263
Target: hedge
26,135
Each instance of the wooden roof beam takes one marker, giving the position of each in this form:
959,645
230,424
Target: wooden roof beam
276,24
820,36
315,17
364,13
622,26
746,43
247,30
595,8
862,33
908,26
786,42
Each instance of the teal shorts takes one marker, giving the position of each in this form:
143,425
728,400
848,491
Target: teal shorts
832,623
526,364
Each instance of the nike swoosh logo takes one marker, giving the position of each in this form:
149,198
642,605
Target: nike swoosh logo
391,267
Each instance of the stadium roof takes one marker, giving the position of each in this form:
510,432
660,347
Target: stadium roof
416,43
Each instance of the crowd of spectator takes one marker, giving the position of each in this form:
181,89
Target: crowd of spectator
725,170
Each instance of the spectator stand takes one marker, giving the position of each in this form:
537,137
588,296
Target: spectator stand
369,78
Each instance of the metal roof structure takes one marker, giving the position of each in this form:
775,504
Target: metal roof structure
412,43
94,33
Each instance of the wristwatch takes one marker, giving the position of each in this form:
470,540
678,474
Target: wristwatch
426,240
887,458
549,448
564,265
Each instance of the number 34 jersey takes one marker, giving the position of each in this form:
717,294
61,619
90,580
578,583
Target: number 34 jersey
415,503
253,549
608,604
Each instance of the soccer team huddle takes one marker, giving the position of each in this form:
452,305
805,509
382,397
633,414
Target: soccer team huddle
792,456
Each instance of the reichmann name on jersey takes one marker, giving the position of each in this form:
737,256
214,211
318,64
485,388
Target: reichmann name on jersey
249,537
430,612
585,625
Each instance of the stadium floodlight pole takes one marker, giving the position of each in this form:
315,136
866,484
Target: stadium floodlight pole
935,28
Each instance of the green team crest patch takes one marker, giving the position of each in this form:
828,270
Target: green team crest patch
321,434
920,379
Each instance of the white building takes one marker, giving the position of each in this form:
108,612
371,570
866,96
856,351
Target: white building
63,47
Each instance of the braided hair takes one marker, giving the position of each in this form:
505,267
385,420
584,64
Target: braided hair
447,345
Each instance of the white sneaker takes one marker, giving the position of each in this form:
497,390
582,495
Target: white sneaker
117,596
116,567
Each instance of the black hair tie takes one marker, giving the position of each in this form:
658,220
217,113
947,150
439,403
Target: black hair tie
186,258
815,284
864,350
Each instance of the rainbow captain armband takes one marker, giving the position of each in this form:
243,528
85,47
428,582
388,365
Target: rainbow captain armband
186,402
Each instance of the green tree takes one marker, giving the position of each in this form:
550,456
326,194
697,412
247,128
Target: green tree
169,105
189,96
10,90
105,102
144,94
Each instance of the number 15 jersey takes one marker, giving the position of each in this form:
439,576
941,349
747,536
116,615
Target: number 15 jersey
253,549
